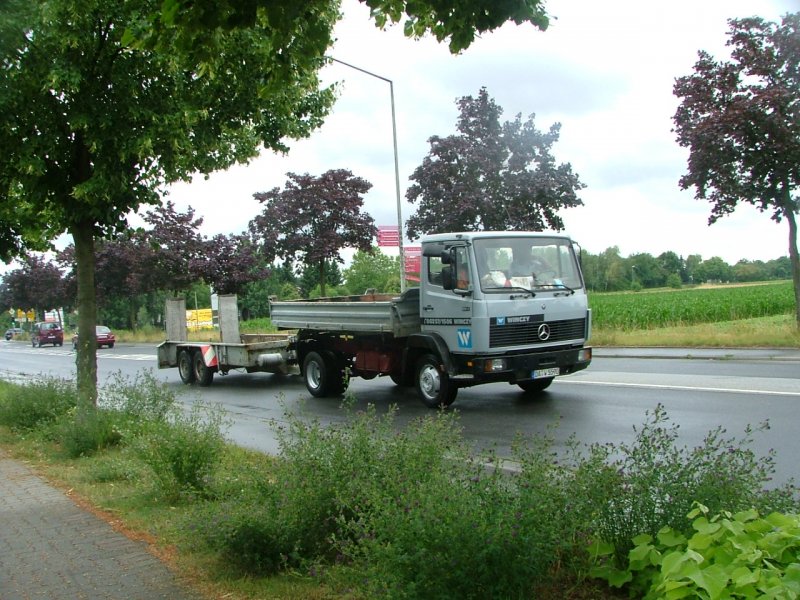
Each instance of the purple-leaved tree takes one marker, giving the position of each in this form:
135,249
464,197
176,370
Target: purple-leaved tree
313,218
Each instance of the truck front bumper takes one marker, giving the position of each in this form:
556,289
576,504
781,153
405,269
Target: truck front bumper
516,368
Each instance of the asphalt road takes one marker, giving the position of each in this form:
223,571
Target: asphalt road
700,390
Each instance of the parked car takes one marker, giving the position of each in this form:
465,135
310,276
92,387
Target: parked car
104,336
47,333
13,332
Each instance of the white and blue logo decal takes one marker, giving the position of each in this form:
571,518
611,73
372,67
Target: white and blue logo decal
501,320
464,338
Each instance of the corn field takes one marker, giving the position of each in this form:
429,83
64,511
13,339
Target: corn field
648,310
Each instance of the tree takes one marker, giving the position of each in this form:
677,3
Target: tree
92,128
740,120
315,217
373,270
37,285
229,262
194,23
491,176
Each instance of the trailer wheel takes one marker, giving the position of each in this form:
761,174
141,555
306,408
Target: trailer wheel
535,385
185,367
433,384
203,374
316,375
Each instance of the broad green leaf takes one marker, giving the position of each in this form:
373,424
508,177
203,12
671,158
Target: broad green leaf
713,579
669,537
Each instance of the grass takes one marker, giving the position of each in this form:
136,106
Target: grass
763,332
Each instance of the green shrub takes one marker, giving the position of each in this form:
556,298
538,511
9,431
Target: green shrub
84,433
139,401
37,404
653,482
738,555
182,451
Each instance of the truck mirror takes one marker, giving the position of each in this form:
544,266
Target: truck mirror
448,282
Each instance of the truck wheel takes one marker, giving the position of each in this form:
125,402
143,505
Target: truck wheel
316,374
185,367
203,374
433,385
339,379
535,385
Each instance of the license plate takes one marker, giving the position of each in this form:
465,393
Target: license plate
539,373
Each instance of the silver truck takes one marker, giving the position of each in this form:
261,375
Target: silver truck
491,306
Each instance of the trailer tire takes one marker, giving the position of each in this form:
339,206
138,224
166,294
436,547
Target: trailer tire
185,367
203,375
317,374
535,386
434,386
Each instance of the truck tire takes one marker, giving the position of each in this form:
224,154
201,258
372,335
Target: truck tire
535,386
434,387
317,374
339,377
203,375
185,367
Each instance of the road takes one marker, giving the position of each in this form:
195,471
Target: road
700,390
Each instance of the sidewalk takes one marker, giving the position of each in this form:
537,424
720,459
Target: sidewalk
52,549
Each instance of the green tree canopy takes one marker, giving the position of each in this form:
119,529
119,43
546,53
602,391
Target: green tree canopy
195,23
491,176
740,120
373,270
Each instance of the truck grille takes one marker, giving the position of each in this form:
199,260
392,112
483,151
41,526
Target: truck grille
528,333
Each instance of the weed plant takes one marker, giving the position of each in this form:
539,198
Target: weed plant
183,451
37,404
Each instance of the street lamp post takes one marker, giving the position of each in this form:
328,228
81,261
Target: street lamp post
396,169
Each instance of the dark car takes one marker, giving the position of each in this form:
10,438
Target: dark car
104,336
47,333
13,332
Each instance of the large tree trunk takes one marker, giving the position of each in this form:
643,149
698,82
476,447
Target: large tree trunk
86,361
794,258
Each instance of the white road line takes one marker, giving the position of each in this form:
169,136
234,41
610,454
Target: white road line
687,388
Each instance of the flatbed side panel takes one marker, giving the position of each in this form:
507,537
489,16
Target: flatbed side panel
333,316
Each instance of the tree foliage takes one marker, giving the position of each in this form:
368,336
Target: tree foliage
313,218
373,270
92,128
740,120
455,21
37,284
491,176
228,263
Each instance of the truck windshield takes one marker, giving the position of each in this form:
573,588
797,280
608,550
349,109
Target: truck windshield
527,262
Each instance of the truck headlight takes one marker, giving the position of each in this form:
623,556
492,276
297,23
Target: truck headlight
492,365
585,355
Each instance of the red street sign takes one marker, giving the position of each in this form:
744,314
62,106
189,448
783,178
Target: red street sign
388,235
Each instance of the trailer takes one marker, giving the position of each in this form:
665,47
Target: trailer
491,306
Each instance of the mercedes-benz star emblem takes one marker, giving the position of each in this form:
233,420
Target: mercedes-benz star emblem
544,332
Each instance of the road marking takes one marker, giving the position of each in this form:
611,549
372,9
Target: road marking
689,388
100,355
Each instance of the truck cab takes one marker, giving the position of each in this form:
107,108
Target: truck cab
506,306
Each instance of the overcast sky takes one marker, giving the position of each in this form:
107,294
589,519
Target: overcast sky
604,70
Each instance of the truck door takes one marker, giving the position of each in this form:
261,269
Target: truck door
448,312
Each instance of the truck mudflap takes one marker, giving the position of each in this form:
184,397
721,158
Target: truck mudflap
519,368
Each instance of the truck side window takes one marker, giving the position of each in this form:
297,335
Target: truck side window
435,270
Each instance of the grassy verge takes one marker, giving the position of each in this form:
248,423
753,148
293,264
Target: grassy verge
368,509
767,332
